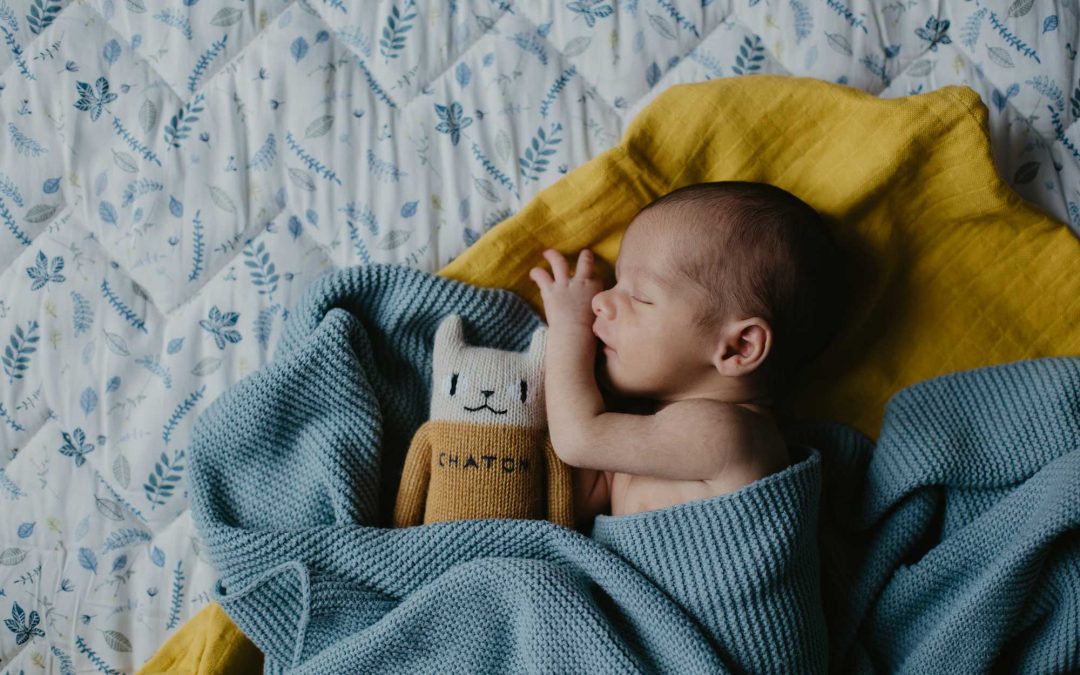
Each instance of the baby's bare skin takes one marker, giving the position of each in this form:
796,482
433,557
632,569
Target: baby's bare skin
708,430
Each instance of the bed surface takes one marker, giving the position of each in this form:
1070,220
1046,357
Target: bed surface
173,175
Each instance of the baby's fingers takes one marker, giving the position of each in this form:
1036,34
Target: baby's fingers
559,267
540,276
584,268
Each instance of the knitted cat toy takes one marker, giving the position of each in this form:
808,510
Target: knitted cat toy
485,451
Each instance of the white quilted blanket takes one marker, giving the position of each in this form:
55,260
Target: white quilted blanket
174,172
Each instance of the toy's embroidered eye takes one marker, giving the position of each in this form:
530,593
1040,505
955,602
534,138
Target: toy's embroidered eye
524,391
451,384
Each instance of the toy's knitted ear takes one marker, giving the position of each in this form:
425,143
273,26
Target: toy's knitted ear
538,347
449,338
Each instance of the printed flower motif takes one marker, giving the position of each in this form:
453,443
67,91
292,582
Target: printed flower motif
77,448
934,32
94,102
589,10
17,624
453,120
40,272
218,325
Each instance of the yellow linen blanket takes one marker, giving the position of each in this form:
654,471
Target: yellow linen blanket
954,269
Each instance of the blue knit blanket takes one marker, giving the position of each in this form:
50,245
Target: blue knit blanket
950,544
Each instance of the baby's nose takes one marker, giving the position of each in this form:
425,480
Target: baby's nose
600,305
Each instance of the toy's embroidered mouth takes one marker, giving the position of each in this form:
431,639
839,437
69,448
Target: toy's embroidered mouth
485,405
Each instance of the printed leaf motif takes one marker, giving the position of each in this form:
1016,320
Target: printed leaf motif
1020,8
121,471
576,46
12,556
1000,57
87,559
226,17
206,366
148,115
88,400
117,641
662,26
221,199
40,213
319,126
302,179
299,49
1026,173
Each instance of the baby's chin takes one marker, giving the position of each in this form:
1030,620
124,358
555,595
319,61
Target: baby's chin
618,397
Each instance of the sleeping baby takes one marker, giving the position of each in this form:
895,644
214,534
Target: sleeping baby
722,291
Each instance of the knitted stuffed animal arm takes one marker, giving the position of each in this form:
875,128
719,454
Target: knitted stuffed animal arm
485,451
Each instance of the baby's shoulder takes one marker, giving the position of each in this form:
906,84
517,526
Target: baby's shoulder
750,441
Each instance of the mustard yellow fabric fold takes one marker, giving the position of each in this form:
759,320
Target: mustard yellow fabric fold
208,644
954,269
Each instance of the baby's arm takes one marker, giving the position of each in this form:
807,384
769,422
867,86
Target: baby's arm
687,440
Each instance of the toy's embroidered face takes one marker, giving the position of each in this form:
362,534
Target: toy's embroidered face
487,386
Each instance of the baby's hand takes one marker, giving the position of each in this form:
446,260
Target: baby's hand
568,299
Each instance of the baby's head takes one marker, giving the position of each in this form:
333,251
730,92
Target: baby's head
723,290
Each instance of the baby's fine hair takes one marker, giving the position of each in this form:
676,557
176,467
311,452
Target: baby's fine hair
758,250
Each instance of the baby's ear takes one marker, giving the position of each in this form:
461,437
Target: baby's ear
449,337
538,346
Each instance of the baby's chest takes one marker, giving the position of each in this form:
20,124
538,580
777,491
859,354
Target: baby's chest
634,494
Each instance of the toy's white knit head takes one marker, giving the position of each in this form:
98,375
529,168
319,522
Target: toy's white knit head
487,386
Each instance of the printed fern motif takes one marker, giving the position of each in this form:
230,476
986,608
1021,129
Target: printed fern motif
750,53
264,157
263,272
530,43
17,352
24,145
11,190
92,656
1013,41
66,665
363,214
176,19
9,222
969,34
122,309
374,86
180,125
125,537
160,484
355,38
264,322
152,362
16,51
358,243
204,62
145,152
83,316
553,91
42,14
383,170
309,161
535,161
393,33
804,20
679,18
493,170
177,596
196,247
181,410
139,188
8,487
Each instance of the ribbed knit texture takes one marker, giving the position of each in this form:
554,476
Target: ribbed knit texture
950,544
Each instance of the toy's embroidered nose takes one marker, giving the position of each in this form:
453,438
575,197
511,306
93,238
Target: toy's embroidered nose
487,393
